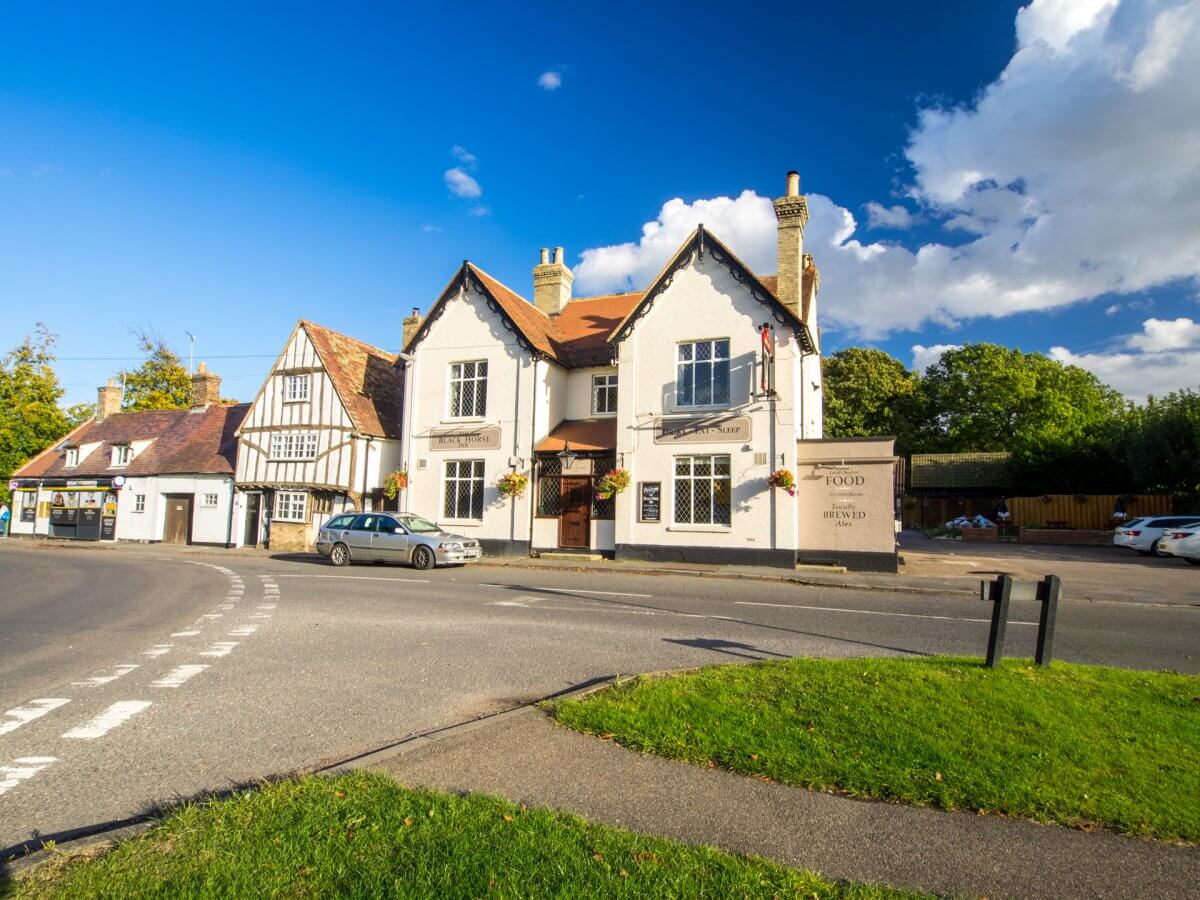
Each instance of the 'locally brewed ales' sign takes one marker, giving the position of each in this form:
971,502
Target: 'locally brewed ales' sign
734,430
482,437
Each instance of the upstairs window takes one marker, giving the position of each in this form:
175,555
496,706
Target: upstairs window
295,388
122,455
294,445
468,389
72,457
702,373
604,395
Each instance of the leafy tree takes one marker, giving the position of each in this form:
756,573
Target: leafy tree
79,413
161,382
30,418
868,392
1163,444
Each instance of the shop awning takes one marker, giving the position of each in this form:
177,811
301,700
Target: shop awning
584,436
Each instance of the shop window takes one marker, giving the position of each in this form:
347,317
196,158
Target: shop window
702,373
603,509
139,503
464,489
604,395
702,490
294,445
468,389
290,506
209,500
549,486
72,457
295,388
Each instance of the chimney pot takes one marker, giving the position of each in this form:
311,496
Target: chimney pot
558,256
544,258
552,283
793,184
206,387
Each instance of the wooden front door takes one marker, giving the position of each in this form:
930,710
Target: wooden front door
178,527
253,507
575,516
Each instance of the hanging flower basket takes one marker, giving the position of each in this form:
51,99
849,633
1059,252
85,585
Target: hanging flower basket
615,482
512,484
394,483
784,479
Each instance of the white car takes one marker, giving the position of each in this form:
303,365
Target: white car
1184,543
1143,534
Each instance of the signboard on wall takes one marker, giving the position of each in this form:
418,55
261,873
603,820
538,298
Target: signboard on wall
650,508
730,430
483,437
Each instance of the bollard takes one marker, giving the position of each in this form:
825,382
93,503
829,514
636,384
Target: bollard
1000,593
1049,590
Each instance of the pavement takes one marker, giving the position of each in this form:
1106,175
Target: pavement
528,758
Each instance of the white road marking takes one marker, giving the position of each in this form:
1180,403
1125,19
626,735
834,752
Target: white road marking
211,616
190,633
244,631
158,650
25,714
259,616
226,606
26,767
266,606
219,648
510,603
115,715
178,676
873,612
361,578
97,680
571,591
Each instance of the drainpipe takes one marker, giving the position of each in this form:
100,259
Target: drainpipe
233,494
512,515
406,414
533,485
366,466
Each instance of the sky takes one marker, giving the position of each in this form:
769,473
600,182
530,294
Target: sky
1024,174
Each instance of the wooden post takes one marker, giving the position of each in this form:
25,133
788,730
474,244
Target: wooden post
1049,591
1001,590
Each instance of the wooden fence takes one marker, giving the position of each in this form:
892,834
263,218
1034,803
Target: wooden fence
1083,511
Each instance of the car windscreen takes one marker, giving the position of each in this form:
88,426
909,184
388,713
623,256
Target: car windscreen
417,525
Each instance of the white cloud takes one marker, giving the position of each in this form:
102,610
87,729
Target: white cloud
880,216
1112,310
550,81
461,184
1167,334
478,211
430,228
464,156
1167,358
924,357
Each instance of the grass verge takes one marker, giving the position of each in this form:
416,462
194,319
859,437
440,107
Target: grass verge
364,835
1078,745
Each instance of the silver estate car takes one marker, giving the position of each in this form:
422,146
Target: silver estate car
393,537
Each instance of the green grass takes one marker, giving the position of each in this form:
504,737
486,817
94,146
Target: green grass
365,835
1079,745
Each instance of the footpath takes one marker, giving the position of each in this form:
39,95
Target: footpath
525,756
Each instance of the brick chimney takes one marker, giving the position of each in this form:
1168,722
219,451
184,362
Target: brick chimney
206,387
108,400
551,283
411,324
792,212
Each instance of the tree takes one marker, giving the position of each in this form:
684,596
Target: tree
161,382
1163,445
30,418
79,413
868,393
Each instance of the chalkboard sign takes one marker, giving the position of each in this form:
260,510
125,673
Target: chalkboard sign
651,509
108,528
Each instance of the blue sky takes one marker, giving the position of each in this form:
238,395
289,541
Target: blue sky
226,172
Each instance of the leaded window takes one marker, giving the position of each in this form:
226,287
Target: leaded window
702,490
702,373
468,389
295,388
464,489
604,394
549,486
294,445
606,508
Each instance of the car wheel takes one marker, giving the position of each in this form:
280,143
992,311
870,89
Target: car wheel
422,558
340,555
1154,551
1193,561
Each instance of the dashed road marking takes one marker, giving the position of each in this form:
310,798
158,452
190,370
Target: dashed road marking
219,648
211,615
874,612
259,616
189,633
244,631
25,768
115,715
178,676
35,709
158,650
570,591
266,606
97,680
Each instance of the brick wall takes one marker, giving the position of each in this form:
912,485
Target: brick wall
1075,536
979,535
291,536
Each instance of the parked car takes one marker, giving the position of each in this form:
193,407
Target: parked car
1184,543
393,537
1144,534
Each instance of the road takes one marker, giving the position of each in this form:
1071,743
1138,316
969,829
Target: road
140,676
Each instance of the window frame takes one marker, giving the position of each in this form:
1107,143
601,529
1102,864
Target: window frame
122,455
294,453
711,362
72,459
712,478
477,380
604,384
292,515
291,388
480,479
206,496
139,503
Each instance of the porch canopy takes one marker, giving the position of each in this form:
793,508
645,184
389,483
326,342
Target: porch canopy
584,436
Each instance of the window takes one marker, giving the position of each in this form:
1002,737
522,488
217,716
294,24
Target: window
464,489
294,445
702,490
549,486
703,373
290,506
295,388
122,454
72,457
139,502
209,500
604,394
468,389
340,522
603,509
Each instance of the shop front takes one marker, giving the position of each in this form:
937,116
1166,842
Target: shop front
83,509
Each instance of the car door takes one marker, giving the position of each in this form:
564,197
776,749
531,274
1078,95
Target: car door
389,541
360,535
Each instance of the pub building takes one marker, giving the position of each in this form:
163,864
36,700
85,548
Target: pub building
662,424
153,475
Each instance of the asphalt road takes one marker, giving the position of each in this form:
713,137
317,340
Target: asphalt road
138,676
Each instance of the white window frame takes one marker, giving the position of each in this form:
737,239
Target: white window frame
210,501
691,364
291,506
604,386
457,374
293,446
475,479
691,478
296,388
139,503
72,459
122,455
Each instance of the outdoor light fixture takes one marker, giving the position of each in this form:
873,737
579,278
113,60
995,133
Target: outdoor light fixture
568,458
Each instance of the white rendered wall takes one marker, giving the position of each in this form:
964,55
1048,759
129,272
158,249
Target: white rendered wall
210,525
579,391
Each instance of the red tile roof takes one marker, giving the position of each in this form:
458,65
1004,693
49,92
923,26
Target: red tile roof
585,435
365,377
184,442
